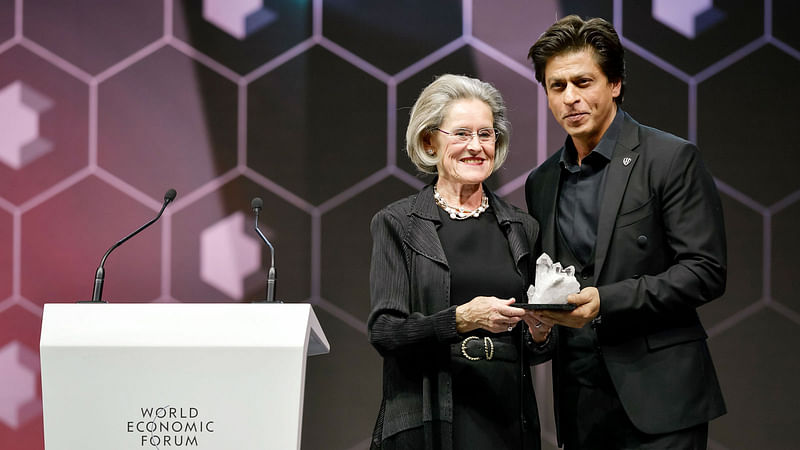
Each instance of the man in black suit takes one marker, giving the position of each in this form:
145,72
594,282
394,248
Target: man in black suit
637,213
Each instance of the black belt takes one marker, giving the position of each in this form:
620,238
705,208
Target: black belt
476,348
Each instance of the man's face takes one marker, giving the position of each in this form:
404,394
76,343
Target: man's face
580,97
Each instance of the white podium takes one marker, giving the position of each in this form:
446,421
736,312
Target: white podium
207,376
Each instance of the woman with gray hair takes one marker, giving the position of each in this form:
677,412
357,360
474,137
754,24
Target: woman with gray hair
447,263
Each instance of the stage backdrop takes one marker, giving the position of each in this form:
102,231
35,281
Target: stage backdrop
104,105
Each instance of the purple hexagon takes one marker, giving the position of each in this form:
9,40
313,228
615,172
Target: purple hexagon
7,12
523,23
109,31
170,115
66,236
62,120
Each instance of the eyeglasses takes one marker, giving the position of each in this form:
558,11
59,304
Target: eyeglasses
464,135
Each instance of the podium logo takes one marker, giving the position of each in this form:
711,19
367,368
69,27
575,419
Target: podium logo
168,426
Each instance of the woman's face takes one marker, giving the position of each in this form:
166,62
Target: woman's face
464,162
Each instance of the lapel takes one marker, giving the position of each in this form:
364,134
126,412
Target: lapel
616,182
423,220
549,182
507,216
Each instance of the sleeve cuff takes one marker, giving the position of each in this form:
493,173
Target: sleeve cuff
444,324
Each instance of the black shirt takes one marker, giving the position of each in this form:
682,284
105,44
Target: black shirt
580,192
578,211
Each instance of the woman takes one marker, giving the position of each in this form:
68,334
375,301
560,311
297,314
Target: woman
446,264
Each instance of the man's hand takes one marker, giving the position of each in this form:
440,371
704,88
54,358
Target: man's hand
588,307
539,327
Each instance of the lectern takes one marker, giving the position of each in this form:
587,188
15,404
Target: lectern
206,376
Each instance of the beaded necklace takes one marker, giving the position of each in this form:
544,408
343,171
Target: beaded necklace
460,213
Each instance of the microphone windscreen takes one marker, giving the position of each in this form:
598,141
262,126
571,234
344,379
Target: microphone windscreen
256,203
170,195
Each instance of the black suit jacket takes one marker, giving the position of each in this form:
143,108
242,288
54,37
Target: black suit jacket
660,253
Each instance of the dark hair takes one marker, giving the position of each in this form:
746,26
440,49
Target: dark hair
572,34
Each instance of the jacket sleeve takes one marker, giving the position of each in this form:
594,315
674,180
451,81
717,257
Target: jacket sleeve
392,326
695,249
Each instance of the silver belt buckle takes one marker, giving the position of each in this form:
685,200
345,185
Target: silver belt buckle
488,348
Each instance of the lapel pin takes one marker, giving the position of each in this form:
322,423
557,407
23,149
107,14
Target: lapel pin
626,161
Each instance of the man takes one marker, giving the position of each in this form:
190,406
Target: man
636,212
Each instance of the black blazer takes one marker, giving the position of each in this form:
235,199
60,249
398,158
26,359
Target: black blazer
412,323
660,253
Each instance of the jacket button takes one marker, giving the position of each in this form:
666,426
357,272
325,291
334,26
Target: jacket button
642,241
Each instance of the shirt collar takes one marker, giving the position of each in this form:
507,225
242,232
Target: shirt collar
605,148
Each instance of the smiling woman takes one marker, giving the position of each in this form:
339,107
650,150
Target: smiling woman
446,265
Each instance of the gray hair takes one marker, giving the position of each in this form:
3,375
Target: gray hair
431,107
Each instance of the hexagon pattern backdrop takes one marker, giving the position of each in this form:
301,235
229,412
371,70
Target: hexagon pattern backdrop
105,105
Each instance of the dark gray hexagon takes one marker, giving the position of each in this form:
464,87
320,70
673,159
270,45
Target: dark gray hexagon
784,24
648,90
758,383
109,31
347,246
327,424
785,248
169,119
519,93
6,254
512,26
66,237
287,227
745,117
382,32
63,124
288,23
744,230
7,11
721,31
316,125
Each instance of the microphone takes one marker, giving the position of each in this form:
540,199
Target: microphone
256,204
99,276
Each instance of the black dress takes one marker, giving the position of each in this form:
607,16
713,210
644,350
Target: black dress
488,395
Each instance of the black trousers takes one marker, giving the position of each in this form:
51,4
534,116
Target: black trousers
593,418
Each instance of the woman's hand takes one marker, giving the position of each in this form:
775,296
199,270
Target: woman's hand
490,313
